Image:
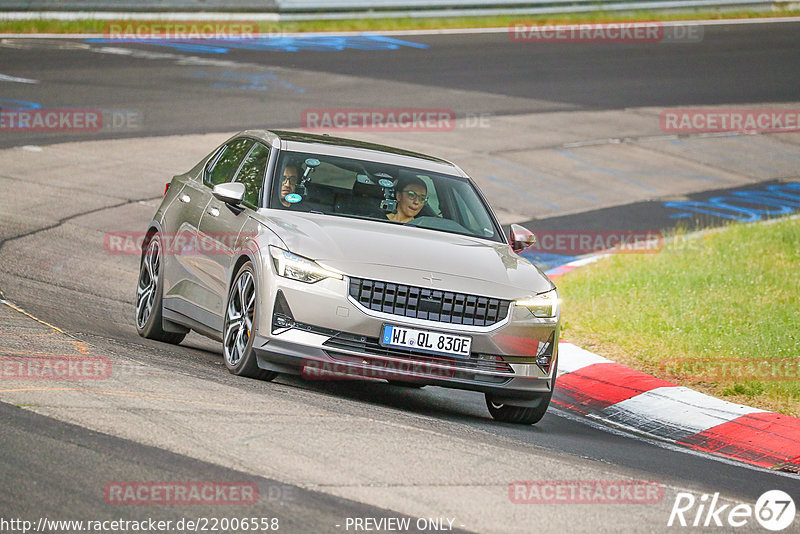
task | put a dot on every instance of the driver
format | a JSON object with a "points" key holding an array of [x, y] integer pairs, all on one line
{"points": [[289, 181], [411, 194]]}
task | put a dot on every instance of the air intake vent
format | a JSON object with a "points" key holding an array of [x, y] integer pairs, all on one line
{"points": [[429, 304]]}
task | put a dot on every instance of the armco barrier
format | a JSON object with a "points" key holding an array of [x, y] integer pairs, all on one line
{"points": [[337, 8]]}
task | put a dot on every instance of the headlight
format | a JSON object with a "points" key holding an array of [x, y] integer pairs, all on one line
{"points": [[543, 305], [299, 268]]}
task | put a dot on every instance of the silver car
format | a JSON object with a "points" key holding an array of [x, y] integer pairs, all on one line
{"points": [[339, 259]]}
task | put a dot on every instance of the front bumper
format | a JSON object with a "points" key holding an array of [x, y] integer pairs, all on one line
{"points": [[324, 334]]}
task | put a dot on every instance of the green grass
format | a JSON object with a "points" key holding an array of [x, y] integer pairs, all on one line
{"points": [[404, 23], [719, 313]]}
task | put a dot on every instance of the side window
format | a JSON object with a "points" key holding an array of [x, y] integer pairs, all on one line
{"points": [[228, 162], [252, 173]]}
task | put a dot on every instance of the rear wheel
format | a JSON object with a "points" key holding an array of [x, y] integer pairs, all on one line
{"points": [[521, 415], [237, 332], [148, 295]]}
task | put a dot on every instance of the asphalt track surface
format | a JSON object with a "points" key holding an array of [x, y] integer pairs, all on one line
{"points": [[737, 64], [60, 474], [55, 468]]}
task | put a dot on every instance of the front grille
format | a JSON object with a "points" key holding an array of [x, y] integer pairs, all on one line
{"points": [[428, 304], [370, 346]]}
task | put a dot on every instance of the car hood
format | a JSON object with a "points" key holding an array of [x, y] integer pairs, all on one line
{"points": [[408, 255]]}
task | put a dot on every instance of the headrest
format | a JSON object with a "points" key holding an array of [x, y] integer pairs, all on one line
{"points": [[367, 190]]}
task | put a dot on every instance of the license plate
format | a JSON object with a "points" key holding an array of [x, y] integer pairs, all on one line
{"points": [[425, 340]]}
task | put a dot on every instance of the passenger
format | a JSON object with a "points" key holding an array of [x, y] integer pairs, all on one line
{"points": [[411, 194], [289, 181]]}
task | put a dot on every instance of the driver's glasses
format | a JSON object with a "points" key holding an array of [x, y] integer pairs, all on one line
{"points": [[415, 197], [292, 180]]}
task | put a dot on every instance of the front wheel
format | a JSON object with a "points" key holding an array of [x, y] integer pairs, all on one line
{"points": [[237, 332], [521, 415], [148, 295]]}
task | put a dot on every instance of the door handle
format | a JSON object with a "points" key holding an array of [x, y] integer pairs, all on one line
{"points": [[213, 212], [185, 198]]}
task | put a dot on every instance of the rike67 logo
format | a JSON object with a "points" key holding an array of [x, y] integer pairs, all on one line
{"points": [[774, 510]]}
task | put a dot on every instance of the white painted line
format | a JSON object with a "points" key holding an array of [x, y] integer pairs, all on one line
{"points": [[587, 260], [7, 78], [571, 358], [675, 412]]}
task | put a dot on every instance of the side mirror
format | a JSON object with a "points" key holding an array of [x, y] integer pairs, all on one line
{"points": [[521, 238], [230, 192]]}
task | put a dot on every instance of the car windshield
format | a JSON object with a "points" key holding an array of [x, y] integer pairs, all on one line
{"points": [[382, 192]]}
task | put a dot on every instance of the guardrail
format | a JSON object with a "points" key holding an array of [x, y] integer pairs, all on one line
{"points": [[300, 9], [506, 5]]}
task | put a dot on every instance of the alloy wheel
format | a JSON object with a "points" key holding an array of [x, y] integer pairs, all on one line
{"points": [[239, 318], [148, 282]]}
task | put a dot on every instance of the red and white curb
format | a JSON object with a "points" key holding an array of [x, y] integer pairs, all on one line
{"points": [[592, 385]]}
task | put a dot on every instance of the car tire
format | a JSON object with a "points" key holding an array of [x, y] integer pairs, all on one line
{"points": [[149, 290], [520, 415], [237, 330]]}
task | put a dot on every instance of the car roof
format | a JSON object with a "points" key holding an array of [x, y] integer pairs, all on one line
{"points": [[340, 146]]}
